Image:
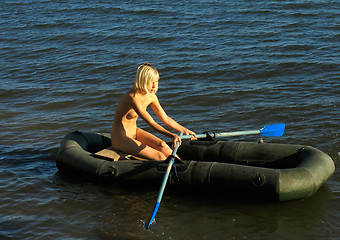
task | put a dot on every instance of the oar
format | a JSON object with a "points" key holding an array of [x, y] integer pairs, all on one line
{"points": [[165, 179], [275, 130]]}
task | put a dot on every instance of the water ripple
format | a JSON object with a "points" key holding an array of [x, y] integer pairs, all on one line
{"points": [[224, 67]]}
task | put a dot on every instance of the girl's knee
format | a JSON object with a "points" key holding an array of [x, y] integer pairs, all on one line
{"points": [[159, 156], [165, 149], [163, 144]]}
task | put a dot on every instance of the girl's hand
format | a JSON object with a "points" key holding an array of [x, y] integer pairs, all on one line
{"points": [[176, 139], [189, 132]]}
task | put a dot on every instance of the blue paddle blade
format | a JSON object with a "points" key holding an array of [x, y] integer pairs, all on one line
{"points": [[155, 209], [275, 130]]}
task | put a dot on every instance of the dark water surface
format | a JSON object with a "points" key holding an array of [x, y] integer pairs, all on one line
{"points": [[224, 65]]}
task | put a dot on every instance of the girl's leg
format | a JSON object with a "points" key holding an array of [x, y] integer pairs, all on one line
{"points": [[137, 148], [153, 141]]}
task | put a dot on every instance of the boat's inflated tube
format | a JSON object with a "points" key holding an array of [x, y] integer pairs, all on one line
{"points": [[282, 171]]}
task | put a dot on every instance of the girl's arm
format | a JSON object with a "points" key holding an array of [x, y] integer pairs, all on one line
{"points": [[157, 108], [141, 111]]}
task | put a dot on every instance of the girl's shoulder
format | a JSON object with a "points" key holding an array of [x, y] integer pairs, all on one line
{"points": [[126, 98], [129, 95]]}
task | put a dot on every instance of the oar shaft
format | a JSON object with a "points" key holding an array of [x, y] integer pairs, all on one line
{"points": [[166, 176], [275, 130], [226, 134], [239, 133], [186, 137], [165, 180]]}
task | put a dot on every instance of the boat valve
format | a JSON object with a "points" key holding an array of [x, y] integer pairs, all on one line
{"points": [[258, 179]]}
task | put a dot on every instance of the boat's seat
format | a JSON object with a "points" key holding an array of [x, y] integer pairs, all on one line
{"points": [[112, 154]]}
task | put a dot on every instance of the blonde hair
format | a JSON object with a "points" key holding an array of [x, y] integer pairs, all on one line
{"points": [[146, 73]]}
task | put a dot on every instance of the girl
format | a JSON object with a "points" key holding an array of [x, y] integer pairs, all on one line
{"points": [[125, 134]]}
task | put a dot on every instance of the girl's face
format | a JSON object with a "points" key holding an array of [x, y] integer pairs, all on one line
{"points": [[153, 86]]}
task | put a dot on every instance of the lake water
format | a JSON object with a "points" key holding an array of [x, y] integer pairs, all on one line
{"points": [[224, 66]]}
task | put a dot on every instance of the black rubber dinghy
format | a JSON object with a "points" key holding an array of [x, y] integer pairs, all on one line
{"points": [[280, 171]]}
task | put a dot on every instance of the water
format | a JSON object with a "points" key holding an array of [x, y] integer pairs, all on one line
{"points": [[224, 66]]}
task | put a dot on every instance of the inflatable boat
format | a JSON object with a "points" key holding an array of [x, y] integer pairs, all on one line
{"points": [[279, 171]]}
